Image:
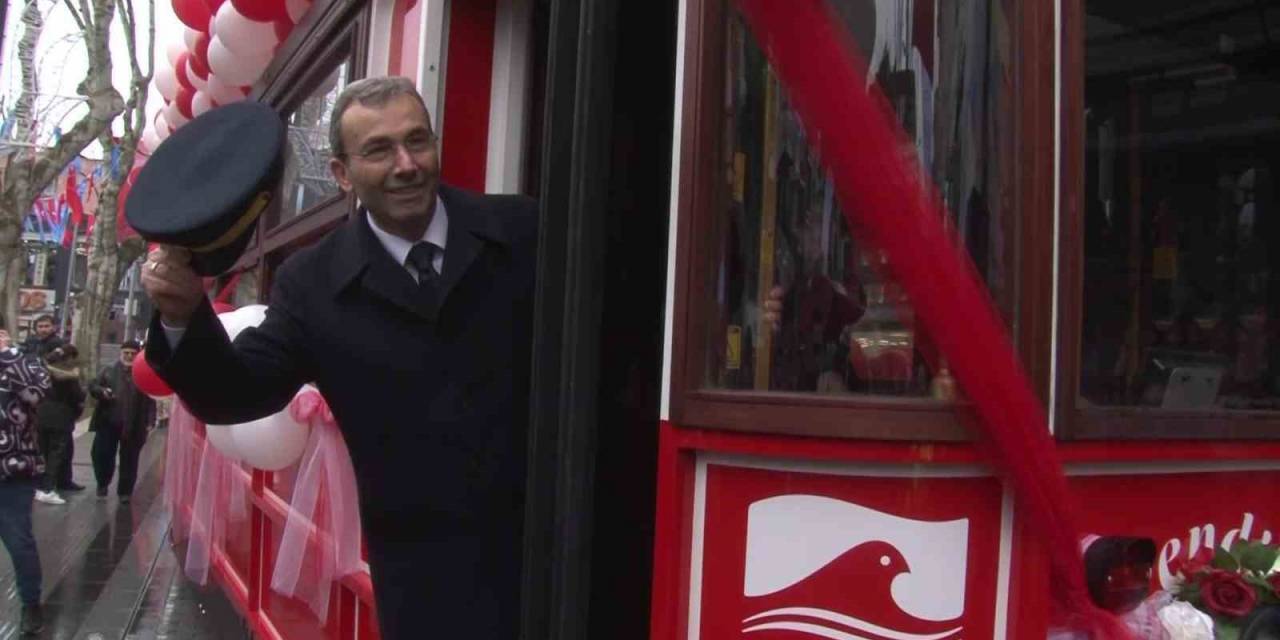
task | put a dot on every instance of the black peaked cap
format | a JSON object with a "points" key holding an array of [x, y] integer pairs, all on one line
{"points": [[206, 185]]}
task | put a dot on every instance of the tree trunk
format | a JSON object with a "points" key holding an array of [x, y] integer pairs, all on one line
{"points": [[29, 173], [16, 188], [107, 264], [109, 258], [24, 108]]}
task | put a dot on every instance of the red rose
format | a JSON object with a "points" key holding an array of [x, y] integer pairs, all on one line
{"points": [[1227, 593], [1196, 564]]}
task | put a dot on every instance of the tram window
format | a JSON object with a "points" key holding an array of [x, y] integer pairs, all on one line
{"points": [[307, 181], [1181, 296], [846, 329]]}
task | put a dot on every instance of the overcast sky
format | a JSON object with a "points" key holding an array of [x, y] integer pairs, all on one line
{"points": [[62, 62]]}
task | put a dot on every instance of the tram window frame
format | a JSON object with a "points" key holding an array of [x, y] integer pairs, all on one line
{"points": [[862, 416], [331, 33], [1078, 421]]}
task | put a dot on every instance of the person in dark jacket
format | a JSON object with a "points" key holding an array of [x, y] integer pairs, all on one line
{"points": [[56, 419], [414, 319], [23, 384], [43, 339], [120, 423]]}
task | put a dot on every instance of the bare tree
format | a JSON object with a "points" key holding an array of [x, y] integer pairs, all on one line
{"points": [[28, 171], [108, 256]]}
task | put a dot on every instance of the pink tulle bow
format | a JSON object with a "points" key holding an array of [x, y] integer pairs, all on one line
{"points": [[309, 405], [321, 538]]}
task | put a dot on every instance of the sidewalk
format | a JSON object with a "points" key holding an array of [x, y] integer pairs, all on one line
{"points": [[110, 572]]}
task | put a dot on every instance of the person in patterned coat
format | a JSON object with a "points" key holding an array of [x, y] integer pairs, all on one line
{"points": [[24, 381]]}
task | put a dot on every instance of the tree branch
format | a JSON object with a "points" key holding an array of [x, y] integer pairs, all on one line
{"points": [[75, 15]]}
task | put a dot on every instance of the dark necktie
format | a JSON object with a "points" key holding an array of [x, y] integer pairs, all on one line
{"points": [[421, 257]]}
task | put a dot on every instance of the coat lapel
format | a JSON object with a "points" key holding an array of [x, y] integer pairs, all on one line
{"points": [[472, 226], [362, 260], [462, 250], [361, 257]]}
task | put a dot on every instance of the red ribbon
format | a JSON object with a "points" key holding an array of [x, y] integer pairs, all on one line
{"points": [[883, 197]]}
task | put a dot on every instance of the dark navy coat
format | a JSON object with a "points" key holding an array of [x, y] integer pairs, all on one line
{"points": [[432, 402]]}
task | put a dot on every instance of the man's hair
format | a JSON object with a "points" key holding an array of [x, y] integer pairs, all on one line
{"points": [[131, 344], [369, 92], [43, 318]]}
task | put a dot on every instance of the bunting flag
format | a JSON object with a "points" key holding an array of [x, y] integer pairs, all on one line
{"points": [[72, 193], [882, 195]]}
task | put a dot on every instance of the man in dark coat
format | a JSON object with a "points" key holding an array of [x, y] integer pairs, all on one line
{"points": [[56, 419], [43, 339], [414, 320], [120, 423]]}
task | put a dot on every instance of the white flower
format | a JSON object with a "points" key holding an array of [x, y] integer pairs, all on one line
{"points": [[1185, 622]]}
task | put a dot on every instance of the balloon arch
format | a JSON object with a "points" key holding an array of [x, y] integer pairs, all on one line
{"points": [[225, 48]]}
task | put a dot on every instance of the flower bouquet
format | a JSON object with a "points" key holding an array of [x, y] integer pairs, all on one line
{"points": [[1235, 588]]}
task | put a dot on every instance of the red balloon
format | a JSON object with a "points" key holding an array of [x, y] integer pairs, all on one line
{"points": [[283, 29], [180, 70], [193, 13], [184, 102], [146, 378], [201, 52], [198, 68], [262, 10], [213, 6]]}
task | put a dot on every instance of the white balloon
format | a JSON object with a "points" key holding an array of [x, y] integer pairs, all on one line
{"points": [[221, 92], [151, 140], [220, 437], [174, 116], [166, 81], [242, 35], [297, 9], [201, 84], [201, 103], [161, 126], [239, 70], [272, 443], [173, 51], [247, 316], [189, 37]]}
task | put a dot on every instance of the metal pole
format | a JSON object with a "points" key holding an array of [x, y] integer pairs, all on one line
{"points": [[132, 277], [71, 270]]}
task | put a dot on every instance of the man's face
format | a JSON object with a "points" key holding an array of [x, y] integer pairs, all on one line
{"points": [[44, 328], [391, 162], [127, 355]]}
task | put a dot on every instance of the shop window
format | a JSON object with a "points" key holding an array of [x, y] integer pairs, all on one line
{"points": [[1181, 232], [247, 288], [307, 181], [775, 223]]}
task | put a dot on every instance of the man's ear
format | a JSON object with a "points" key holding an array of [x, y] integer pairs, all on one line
{"points": [[339, 170]]}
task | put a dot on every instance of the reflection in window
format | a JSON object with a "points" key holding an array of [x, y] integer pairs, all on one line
{"points": [[845, 328], [307, 181], [1182, 292], [246, 288]]}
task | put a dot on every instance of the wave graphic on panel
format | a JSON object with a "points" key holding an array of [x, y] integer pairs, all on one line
{"points": [[826, 568]]}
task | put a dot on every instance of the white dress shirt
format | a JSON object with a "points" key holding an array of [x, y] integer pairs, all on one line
{"points": [[437, 233]]}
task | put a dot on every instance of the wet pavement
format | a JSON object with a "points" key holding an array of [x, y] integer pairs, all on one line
{"points": [[110, 572]]}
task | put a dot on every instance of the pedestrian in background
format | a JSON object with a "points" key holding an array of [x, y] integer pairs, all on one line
{"points": [[23, 384], [43, 339], [56, 419], [120, 423]]}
